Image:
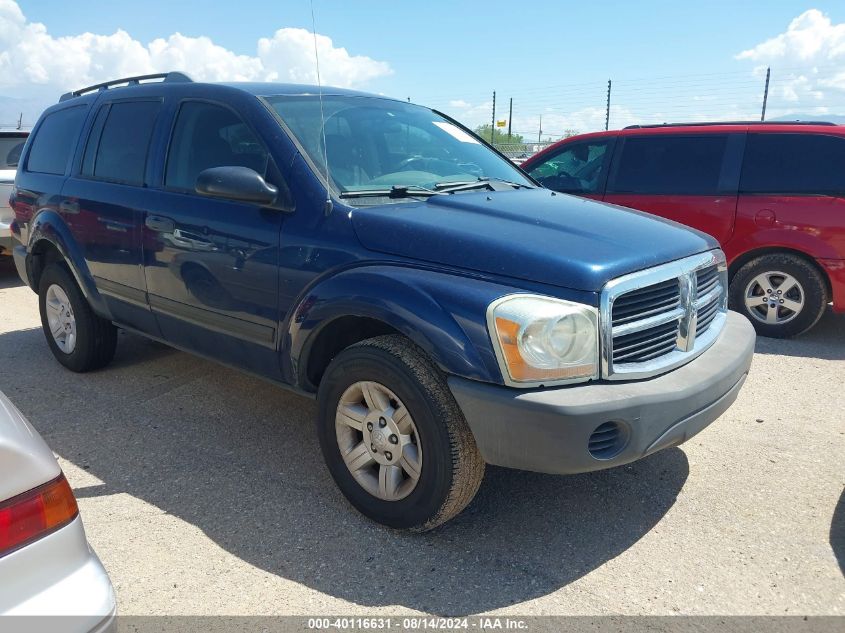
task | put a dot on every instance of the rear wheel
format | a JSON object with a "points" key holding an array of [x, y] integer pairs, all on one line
{"points": [[783, 295], [393, 437], [79, 339]]}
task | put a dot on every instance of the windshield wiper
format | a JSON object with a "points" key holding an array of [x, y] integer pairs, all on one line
{"points": [[396, 191], [481, 183]]}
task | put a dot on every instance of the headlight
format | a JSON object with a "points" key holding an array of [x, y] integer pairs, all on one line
{"points": [[541, 340]]}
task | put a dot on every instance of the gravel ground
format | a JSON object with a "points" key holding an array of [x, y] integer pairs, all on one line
{"points": [[204, 492]]}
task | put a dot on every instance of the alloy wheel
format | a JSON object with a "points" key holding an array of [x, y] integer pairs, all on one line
{"points": [[774, 297], [60, 319], [378, 440]]}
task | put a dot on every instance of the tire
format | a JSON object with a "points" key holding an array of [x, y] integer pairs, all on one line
{"points": [[755, 279], [451, 467], [95, 338]]}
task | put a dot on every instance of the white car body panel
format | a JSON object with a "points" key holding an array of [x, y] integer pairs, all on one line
{"points": [[59, 574], [25, 459]]}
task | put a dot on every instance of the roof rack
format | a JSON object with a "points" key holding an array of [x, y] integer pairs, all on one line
{"points": [[175, 77], [705, 123]]}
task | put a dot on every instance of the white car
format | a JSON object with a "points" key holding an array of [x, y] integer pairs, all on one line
{"points": [[11, 145], [47, 567]]}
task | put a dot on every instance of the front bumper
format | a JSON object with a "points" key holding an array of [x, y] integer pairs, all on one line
{"points": [[19, 255], [548, 430]]}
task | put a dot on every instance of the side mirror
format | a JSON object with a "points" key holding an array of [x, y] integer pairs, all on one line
{"points": [[236, 183]]}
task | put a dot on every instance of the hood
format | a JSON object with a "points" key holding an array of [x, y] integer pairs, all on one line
{"points": [[532, 234]]}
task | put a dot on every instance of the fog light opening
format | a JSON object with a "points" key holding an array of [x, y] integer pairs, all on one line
{"points": [[608, 440]]}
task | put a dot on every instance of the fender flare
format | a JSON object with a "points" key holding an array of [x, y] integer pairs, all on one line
{"points": [[48, 225], [777, 239], [444, 314]]}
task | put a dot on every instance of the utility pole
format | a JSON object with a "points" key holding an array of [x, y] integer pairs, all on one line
{"points": [[766, 93], [493, 122], [20, 121], [607, 113], [540, 132], [510, 120]]}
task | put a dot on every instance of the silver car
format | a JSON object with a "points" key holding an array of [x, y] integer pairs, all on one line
{"points": [[11, 145], [47, 567]]}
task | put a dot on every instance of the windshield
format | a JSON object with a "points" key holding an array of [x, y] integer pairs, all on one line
{"points": [[379, 145], [10, 150]]}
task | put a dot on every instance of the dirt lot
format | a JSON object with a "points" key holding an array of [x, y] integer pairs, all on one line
{"points": [[204, 492]]}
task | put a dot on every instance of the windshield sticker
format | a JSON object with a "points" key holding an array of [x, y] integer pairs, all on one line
{"points": [[455, 131]]}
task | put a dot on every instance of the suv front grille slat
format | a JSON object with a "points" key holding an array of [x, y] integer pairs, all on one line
{"points": [[668, 304], [661, 345], [647, 301], [656, 324], [706, 280], [639, 305], [626, 342]]}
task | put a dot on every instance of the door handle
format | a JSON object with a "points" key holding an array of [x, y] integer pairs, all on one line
{"points": [[192, 240], [160, 223]]}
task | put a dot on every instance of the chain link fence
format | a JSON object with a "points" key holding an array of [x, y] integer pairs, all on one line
{"points": [[519, 152]]}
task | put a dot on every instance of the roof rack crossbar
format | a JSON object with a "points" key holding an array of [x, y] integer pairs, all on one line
{"points": [[706, 123], [129, 81]]}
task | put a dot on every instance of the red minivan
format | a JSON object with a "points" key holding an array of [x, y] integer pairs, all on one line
{"points": [[773, 194]]}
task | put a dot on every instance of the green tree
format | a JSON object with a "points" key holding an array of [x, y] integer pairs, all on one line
{"points": [[499, 136]]}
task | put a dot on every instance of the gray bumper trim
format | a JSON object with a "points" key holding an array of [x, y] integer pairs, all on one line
{"points": [[19, 255], [547, 430]]}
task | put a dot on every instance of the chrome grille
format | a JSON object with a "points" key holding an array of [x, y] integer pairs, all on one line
{"points": [[645, 344], [639, 304], [708, 297], [706, 279], [663, 317]]}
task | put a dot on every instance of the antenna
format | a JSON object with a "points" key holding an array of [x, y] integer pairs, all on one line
{"points": [[328, 209]]}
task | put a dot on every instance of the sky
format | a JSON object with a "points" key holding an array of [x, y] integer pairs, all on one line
{"points": [[667, 60]]}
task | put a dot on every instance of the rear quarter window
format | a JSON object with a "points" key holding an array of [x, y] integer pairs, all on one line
{"points": [[793, 163], [55, 139]]}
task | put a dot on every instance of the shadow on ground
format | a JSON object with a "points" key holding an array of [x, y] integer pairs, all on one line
{"points": [[8, 273], [238, 458], [837, 533], [826, 340]]}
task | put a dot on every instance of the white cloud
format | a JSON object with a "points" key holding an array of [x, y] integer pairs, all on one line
{"points": [[459, 103], [30, 56], [805, 61], [289, 56], [811, 37]]}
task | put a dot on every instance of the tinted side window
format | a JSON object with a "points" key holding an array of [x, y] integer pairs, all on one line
{"points": [[208, 135], [577, 168], [663, 164], [119, 140], [55, 141], [793, 163]]}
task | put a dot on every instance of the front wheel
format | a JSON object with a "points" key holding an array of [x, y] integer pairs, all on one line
{"points": [[393, 437], [783, 295]]}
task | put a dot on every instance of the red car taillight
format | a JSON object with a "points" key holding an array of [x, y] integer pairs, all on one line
{"points": [[34, 514]]}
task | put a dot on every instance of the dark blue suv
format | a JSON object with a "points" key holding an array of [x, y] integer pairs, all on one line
{"points": [[444, 310]]}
